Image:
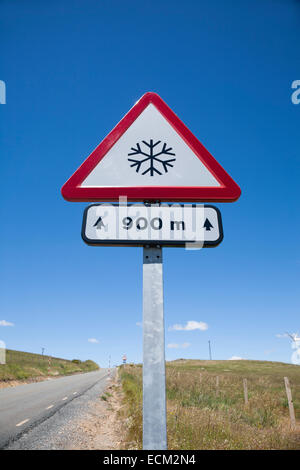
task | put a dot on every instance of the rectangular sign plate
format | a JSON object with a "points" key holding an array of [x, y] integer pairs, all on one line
{"points": [[139, 225]]}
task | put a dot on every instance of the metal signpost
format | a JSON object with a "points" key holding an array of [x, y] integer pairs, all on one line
{"points": [[152, 158], [154, 375]]}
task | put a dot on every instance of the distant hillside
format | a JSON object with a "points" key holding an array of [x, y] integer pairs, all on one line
{"points": [[22, 365], [240, 367]]}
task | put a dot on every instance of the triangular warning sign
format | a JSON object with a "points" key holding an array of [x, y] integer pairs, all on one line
{"points": [[150, 155]]}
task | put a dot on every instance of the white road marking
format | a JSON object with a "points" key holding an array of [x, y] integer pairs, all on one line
{"points": [[48, 407], [22, 422], [74, 393], [65, 398]]}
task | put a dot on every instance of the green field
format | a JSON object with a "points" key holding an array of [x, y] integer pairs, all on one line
{"points": [[22, 365], [201, 415]]}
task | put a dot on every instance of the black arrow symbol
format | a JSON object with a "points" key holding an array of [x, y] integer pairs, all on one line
{"points": [[207, 225], [99, 223]]}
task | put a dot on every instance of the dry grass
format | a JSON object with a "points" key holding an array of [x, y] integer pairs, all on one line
{"points": [[200, 417]]}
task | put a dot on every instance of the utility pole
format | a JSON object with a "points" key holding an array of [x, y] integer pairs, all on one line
{"points": [[209, 348]]}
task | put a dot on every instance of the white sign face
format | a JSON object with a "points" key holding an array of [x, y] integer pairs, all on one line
{"points": [[139, 225], [150, 153]]}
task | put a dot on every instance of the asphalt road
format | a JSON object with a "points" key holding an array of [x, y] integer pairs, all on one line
{"points": [[24, 406]]}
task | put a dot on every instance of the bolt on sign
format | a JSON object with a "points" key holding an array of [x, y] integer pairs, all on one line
{"points": [[154, 167]]}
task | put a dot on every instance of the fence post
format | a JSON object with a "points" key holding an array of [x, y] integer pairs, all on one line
{"points": [[49, 364], [245, 391], [290, 401]]}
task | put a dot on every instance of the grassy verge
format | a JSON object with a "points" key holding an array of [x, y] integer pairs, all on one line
{"points": [[22, 365], [202, 416]]}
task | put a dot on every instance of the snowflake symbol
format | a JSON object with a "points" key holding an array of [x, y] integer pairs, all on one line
{"points": [[152, 161]]}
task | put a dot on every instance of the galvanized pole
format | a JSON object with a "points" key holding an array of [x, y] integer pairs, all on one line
{"points": [[154, 375]]}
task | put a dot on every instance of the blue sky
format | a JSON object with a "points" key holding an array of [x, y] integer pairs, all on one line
{"points": [[72, 70]]}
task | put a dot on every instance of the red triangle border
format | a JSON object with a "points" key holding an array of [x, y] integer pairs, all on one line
{"points": [[228, 191]]}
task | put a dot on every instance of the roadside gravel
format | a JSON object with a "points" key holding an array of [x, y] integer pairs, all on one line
{"points": [[87, 422]]}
